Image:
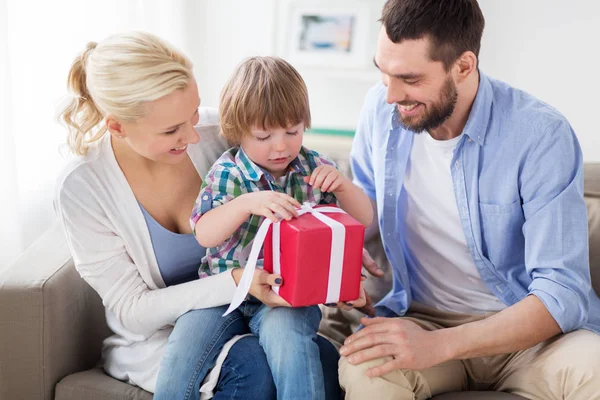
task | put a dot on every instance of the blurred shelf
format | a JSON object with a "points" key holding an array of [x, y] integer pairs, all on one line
{"points": [[363, 76], [335, 143], [331, 132]]}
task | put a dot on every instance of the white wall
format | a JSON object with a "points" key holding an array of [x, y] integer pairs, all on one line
{"points": [[36, 52], [546, 47], [230, 30], [549, 48], [227, 31]]}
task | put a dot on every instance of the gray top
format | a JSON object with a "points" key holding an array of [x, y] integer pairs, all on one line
{"points": [[178, 255]]}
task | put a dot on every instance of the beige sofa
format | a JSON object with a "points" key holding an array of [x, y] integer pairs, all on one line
{"points": [[52, 323]]}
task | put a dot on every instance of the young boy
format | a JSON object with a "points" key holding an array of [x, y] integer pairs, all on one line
{"points": [[264, 111]]}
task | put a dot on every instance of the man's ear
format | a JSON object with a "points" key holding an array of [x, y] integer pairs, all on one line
{"points": [[114, 127], [465, 65]]}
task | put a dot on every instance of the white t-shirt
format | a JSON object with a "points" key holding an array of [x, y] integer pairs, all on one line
{"points": [[444, 274]]}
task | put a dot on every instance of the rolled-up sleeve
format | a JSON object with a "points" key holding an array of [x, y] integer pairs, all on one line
{"points": [[220, 186], [555, 228]]}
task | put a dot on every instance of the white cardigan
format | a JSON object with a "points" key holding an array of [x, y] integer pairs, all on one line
{"points": [[111, 248]]}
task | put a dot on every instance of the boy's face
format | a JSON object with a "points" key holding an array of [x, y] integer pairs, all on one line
{"points": [[274, 148]]}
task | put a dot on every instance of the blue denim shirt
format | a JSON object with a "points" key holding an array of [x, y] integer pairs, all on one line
{"points": [[517, 174]]}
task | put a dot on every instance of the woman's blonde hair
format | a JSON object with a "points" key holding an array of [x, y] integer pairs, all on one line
{"points": [[266, 92], [119, 76]]}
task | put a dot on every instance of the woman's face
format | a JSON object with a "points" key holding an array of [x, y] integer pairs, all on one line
{"points": [[166, 130]]}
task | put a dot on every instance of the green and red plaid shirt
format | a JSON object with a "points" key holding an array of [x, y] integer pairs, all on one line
{"points": [[234, 174]]}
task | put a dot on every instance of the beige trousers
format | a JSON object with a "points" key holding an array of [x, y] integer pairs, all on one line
{"points": [[564, 367]]}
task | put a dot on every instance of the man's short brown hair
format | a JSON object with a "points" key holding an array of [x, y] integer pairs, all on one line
{"points": [[264, 92], [453, 26]]}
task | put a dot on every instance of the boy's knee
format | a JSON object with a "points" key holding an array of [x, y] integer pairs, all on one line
{"points": [[304, 320]]}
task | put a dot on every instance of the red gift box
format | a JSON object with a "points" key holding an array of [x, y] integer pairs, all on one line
{"points": [[305, 257]]}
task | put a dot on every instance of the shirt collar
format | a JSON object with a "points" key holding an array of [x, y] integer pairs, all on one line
{"points": [[253, 172], [476, 126]]}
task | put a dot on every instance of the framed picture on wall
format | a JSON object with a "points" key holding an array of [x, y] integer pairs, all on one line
{"points": [[328, 33]]}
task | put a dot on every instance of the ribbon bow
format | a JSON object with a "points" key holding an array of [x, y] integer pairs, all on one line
{"points": [[335, 263]]}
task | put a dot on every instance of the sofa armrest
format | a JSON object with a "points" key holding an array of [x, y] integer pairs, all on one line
{"points": [[51, 322]]}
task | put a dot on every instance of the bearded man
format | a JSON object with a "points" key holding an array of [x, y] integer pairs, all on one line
{"points": [[478, 188]]}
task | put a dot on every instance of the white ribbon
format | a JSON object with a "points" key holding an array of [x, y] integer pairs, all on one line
{"points": [[336, 260]]}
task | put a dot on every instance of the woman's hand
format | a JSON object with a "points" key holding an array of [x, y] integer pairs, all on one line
{"points": [[268, 203], [261, 287], [368, 308], [363, 303]]}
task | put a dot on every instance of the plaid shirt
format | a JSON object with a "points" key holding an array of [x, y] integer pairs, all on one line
{"points": [[234, 174]]}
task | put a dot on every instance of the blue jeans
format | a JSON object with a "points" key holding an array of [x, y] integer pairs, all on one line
{"points": [[194, 345], [288, 337]]}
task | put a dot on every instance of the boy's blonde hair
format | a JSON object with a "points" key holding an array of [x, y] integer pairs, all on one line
{"points": [[264, 92], [119, 76]]}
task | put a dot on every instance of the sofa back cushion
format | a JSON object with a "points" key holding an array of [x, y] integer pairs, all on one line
{"points": [[592, 200]]}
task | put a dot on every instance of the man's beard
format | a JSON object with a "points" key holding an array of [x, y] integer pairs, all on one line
{"points": [[437, 114]]}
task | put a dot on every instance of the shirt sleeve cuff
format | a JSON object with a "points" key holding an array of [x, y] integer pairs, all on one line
{"points": [[568, 308]]}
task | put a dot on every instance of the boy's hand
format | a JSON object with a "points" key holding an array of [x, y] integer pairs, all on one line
{"points": [[271, 204], [328, 179]]}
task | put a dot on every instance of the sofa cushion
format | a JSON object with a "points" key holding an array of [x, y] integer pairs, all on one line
{"points": [[477, 396], [94, 384], [592, 200], [51, 322], [593, 209], [591, 176]]}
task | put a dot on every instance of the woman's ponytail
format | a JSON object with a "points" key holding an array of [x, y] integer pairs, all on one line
{"points": [[81, 116]]}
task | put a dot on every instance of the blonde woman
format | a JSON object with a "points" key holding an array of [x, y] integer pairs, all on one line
{"points": [[142, 146]]}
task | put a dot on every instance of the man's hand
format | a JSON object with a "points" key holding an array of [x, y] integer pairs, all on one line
{"points": [[370, 264], [409, 345]]}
